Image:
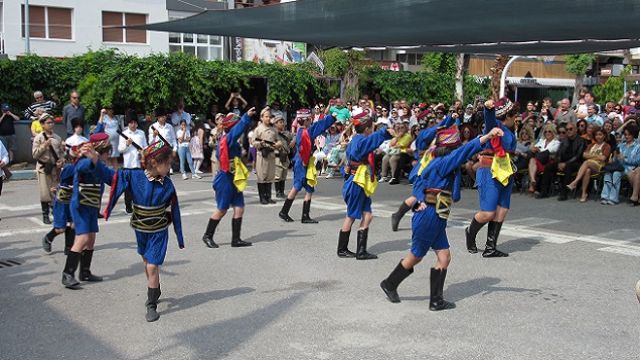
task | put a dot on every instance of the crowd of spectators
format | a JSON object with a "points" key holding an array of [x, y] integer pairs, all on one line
{"points": [[563, 149]]}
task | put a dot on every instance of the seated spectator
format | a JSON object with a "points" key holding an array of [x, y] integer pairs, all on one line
{"points": [[337, 155], [610, 134], [40, 103], [543, 154], [593, 117], [523, 147], [595, 158], [568, 161], [396, 157], [582, 129], [625, 162]]}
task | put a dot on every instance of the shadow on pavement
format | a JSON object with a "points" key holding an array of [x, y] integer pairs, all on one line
{"points": [[403, 244], [519, 245], [466, 289], [137, 268], [275, 235], [330, 217], [193, 300]]}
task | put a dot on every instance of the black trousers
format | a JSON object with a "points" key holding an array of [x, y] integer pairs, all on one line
{"points": [[550, 170]]}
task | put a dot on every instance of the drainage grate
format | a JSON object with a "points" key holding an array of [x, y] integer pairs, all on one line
{"points": [[5, 263]]}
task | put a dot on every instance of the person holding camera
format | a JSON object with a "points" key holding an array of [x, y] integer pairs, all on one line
{"points": [[48, 151], [7, 130], [236, 103], [266, 142]]}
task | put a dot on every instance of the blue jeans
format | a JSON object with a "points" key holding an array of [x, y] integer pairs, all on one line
{"points": [[185, 154], [611, 187]]}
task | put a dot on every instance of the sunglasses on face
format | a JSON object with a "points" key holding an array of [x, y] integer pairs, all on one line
{"points": [[562, 132]]}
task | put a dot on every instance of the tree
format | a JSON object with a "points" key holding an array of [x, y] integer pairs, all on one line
{"points": [[347, 65], [578, 65], [496, 73]]}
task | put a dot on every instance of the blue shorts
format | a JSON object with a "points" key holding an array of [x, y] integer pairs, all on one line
{"points": [[428, 232], [153, 246], [300, 181], [61, 215], [492, 192], [227, 195], [357, 202], [85, 219]]}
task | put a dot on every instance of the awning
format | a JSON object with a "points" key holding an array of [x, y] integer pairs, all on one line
{"points": [[524, 82], [521, 27]]}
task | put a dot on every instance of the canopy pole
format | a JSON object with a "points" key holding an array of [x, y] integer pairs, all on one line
{"points": [[503, 77]]}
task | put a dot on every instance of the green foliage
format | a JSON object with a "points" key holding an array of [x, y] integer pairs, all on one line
{"points": [[612, 89], [439, 63], [336, 62], [578, 64], [475, 86], [111, 78]]}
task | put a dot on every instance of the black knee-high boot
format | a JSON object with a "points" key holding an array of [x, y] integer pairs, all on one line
{"points": [[268, 192], [69, 272], [262, 193], [397, 216], [470, 233], [208, 234], [343, 245], [390, 284], [69, 238], [236, 227], [361, 252], [45, 212], [306, 209], [493, 232], [48, 239], [284, 212], [153, 294], [437, 301], [85, 267], [280, 189]]}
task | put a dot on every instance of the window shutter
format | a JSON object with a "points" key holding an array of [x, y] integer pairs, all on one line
{"points": [[135, 36], [36, 22], [59, 23], [111, 19]]}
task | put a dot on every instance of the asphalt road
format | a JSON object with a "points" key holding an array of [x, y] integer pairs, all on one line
{"points": [[566, 291]]}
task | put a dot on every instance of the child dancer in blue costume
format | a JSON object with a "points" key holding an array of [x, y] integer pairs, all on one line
{"points": [[495, 195], [231, 180], [432, 209], [303, 162], [152, 193], [88, 186], [62, 221], [423, 141], [360, 184]]}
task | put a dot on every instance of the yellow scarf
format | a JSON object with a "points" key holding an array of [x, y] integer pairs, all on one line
{"points": [[363, 179], [312, 172], [241, 174], [501, 169]]}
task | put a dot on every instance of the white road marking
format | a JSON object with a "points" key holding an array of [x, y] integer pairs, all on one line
{"points": [[622, 250], [534, 221]]}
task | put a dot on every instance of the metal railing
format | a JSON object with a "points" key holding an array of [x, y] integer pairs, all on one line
{"points": [[1, 43]]}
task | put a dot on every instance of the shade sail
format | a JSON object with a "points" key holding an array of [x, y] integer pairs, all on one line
{"points": [[478, 26]]}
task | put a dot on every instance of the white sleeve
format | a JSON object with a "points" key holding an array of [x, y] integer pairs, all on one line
{"points": [[4, 155], [122, 144], [554, 146]]}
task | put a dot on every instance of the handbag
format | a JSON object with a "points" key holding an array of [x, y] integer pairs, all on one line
{"points": [[543, 157], [614, 166]]}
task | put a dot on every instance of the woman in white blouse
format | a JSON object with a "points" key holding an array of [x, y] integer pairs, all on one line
{"points": [[542, 153], [111, 127]]}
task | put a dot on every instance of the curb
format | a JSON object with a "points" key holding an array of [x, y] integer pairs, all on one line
{"points": [[23, 175]]}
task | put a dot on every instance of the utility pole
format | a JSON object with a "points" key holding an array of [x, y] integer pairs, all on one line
{"points": [[27, 23]]}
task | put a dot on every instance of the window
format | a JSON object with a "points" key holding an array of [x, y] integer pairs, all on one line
{"points": [[410, 58], [206, 47], [112, 32], [46, 22]]}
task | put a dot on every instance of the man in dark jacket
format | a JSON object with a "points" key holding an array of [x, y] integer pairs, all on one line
{"points": [[568, 161]]}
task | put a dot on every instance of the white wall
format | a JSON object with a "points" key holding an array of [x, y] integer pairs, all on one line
{"points": [[87, 27]]}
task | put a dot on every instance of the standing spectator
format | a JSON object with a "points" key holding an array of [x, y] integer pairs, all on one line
{"points": [[214, 137], [565, 114], [282, 155], [276, 110], [384, 118], [196, 148], [40, 103], [160, 127], [8, 131], [266, 142], [73, 110], [48, 151], [130, 154], [625, 162], [589, 99], [184, 138], [568, 162], [4, 161], [179, 115], [546, 103], [111, 127], [342, 112], [36, 126], [595, 157], [531, 110], [236, 103]]}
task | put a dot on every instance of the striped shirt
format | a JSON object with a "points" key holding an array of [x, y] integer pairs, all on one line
{"points": [[47, 105]]}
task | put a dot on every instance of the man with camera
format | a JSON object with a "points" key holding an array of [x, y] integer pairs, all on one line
{"points": [[7, 130]]}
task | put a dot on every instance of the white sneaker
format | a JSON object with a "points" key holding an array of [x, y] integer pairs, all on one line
{"points": [[199, 172], [196, 176], [185, 177], [171, 171]]}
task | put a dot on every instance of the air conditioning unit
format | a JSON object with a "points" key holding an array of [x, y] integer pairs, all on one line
{"points": [[617, 69]]}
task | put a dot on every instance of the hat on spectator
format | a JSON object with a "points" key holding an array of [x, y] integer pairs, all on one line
{"points": [[230, 120], [277, 118], [469, 107], [423, 105], [155, 149], [44, 117], [448, 137], [263, 111], [100, 142], [423, 114], [503, 106], [303, 113]]}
